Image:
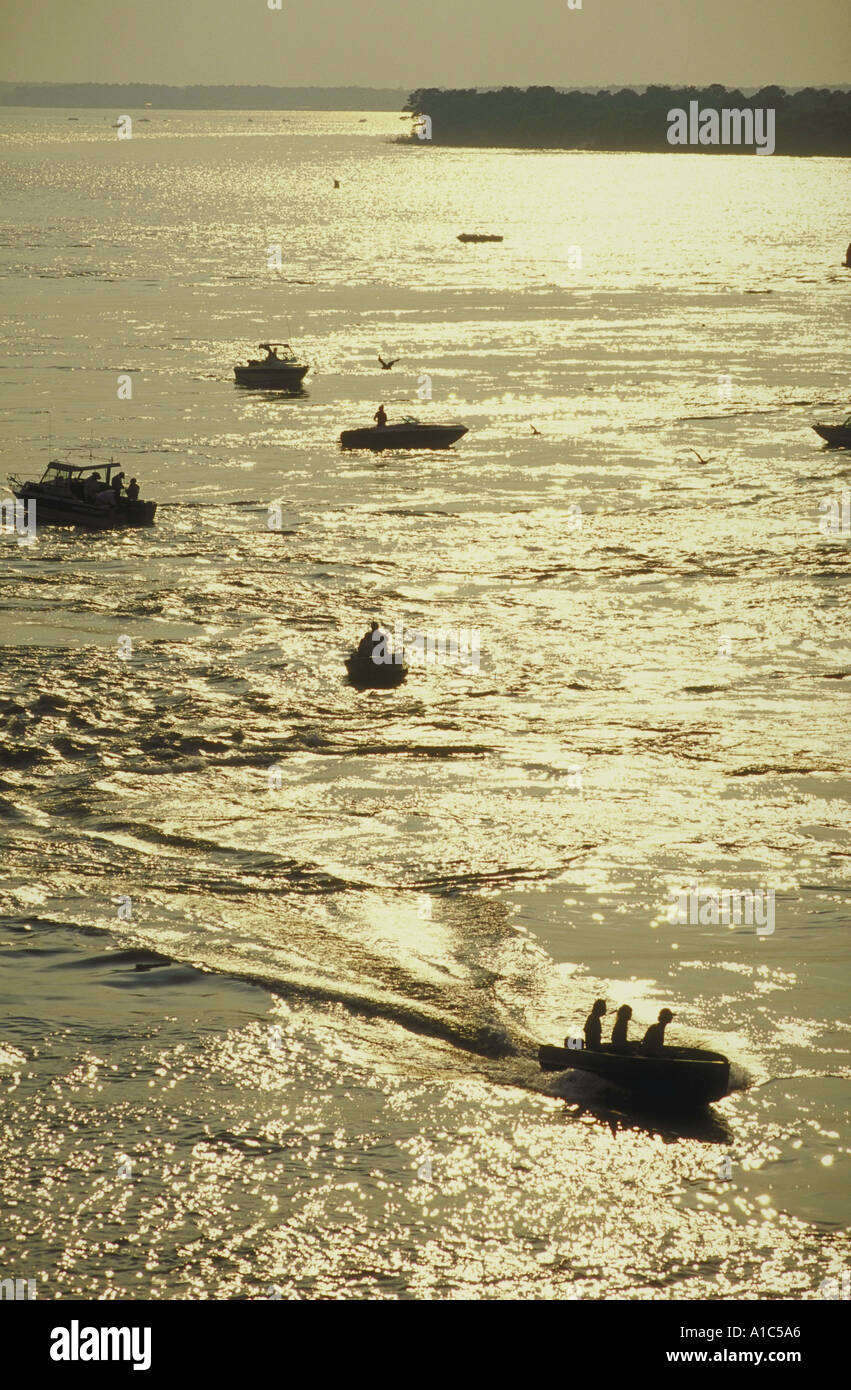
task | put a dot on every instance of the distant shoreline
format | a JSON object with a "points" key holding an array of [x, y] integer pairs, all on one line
{"points": [[810, 121], [118, 95]]}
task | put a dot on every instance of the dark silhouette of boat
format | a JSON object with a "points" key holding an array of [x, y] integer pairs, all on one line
{"points": [[410, 434], [273, 373], [366, 674], [477, 236], [675, 1077], [60, 499], [837, 436]]}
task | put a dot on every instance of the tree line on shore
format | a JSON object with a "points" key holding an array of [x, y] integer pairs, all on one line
{"points": [[812, 121]]}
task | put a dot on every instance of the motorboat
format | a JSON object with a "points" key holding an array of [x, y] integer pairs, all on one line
{"points": [[837, 436], [409, 434], [274, 372], [676, 1076], [62, 499], [477, 236], [368, 674]]}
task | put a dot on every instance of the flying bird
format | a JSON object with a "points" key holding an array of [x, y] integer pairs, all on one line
{"points": [[699, 458], [388, 365], [532, 428]]}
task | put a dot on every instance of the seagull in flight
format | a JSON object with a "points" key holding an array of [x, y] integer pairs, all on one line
{"points": [[532, 428], [388, 365], [698, 457]]}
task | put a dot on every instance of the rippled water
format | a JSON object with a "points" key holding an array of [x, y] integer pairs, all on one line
{"points": [[277, 956]]}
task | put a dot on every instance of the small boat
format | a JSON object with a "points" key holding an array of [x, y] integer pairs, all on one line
{"points": [[477, 236], [410, 434], [60, 499], [677, 1076], [366, 674], [837, 436], [273, 372]]}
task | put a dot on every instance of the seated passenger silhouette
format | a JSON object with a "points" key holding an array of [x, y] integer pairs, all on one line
{"points": [[593, 1027], [624, 1014], [654, 1038], [366, 645]]}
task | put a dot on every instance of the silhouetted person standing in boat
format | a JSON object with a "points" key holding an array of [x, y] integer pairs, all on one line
{"points": [[132, 491], [380, 417], [117, 483], [654, 1038], [624, 1014], [593, 1026]]}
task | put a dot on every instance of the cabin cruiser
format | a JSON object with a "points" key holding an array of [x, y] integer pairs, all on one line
{"points": [[274, 372], [837, 436], [410, 434], [70, 495]]}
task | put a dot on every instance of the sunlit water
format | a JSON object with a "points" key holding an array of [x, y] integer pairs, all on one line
{"points": [[277, 955]]}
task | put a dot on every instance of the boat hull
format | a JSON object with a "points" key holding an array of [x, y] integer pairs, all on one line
{"points": [[271, 378], [366, 674], [50, 511], [837, 436], [403, 437], [680, 1076]]}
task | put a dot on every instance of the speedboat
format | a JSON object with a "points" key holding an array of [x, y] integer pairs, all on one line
{"points": [[676, 1076], [409, 434], [837, 436], [477, 236], [273, 372], [367, 674], [60, 499]]}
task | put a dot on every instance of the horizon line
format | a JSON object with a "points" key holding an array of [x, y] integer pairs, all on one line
{"points": [[370, 87]]}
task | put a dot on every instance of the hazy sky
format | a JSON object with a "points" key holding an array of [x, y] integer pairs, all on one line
{"points": [[390, 43]]}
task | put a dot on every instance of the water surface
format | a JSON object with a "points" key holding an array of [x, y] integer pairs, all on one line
{"points": [[280, 1033]]}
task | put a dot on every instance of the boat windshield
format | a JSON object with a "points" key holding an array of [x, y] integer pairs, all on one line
{"points": [[285, 354]]}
